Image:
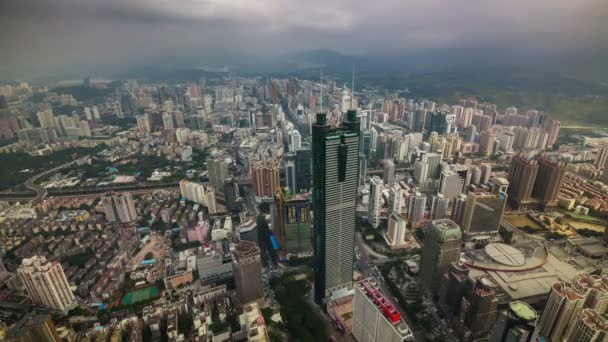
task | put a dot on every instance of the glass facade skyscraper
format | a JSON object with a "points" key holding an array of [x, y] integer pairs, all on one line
{"points": [[335, 153]]}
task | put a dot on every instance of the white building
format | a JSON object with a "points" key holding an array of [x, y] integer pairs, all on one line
{"points": [[375, 201], [46, 284], [199, 193], [375, 317]]}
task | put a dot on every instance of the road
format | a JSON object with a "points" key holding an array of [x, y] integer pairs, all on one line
{"points": [[40, 191]]}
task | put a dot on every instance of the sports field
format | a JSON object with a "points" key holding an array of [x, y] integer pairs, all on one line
{"points": [[140, 295]]}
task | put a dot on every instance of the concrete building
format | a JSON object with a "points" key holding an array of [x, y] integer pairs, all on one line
{"points": [[46, 284], [218, 172], [563, 306], [397, 233], [439, 207], [375, 318], [375, 201], [483, 213], [247, 271], [451, 184], [516, 323], [291, 222], [389, 171], [265, 178], [441, 248], [416, 207], [119, 207], [199, 193], [590, 326], [335, 153]]}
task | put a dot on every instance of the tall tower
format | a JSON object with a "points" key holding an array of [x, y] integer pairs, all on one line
{"points": [[335, 178], [483, 213], [441, 248], [375, 201], [46, 283], [521, 179], [218, 172], [247, 268], [563, 306], [549, 180]]}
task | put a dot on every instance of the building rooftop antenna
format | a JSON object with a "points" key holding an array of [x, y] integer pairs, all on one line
{"points": [[352, 89], [321, 81]]}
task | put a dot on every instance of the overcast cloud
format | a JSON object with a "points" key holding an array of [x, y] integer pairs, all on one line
{"points": [[45, 33]]}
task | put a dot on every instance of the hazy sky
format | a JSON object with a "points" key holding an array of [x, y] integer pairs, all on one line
{"points": [[43, 33]]}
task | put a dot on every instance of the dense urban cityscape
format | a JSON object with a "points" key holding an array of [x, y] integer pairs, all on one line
{"points": [[234, 208]]}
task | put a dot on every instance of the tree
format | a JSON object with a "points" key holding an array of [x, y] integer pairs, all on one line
{"points": [[506, 235], [149, 256]]}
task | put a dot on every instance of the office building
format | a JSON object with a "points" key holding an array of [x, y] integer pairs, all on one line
{"points": [[483, 213], [217, 169], [335, 154], [119, 207], [290, 175], [247, 270], [265, 178], [199, 193], [451, 184], [291, 222], [516, 323], [304, 168], [441, 248], [46, 284], [215, 268], [375, 318], [375, 201]]}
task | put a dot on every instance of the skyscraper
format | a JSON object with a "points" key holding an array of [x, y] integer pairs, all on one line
{"points": [[143, 123], [441, 248], [486, 142], [46, 283], [549, 181], [375, 201], [439, 207], [290, 175], [483, 213], [291, 222], [590, 326], [218, 172], [389, 171], [396, 198], [521, 179], [416, 207], [119, 207], [247, 268], [396, 234], [335, 178], [563, 306], [516, 323]]}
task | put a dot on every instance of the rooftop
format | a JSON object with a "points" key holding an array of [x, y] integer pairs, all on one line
{"points": [[523, 310]]}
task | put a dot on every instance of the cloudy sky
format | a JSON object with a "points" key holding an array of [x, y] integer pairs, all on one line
{"points": [[45, 34]]}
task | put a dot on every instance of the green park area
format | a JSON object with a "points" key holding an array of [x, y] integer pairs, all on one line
{"points": [[140, 295]]}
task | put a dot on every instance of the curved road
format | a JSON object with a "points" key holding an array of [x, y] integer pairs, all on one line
{"points": [[40, 191]]}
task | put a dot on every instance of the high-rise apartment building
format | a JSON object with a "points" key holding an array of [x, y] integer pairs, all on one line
{"points": [[416, 207], [397, 233], [118, 110], [247, 269], [396, 197], [375, 318], [483, 213], [535, 182], [375, 201], [335, 154], [439, 207], [119, 207], [265, 178], [217, 169], [601, 161], [590, 326], [143, 124], [441, 248], [199, 193], [46, 284], [291, 222], [563, 306], [294, 140], [389, 171]]}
